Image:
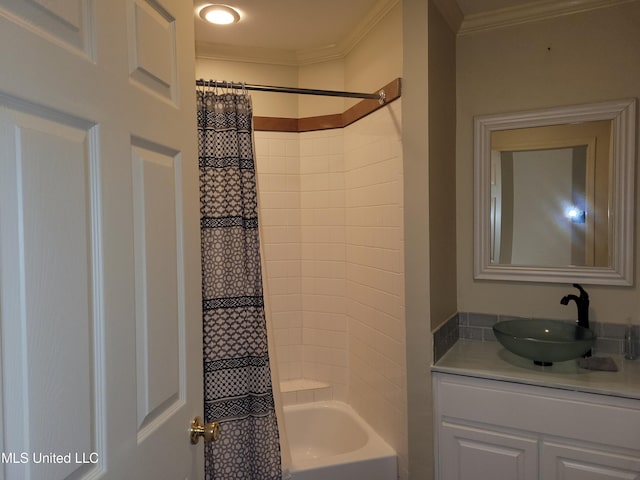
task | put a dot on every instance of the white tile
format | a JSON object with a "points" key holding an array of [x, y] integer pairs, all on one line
{"points": [[283, 370], [304, 396], [321, 146], [341, 393], [277, 147], [295, 370], [322, 394], [309, 369], [281, 337], [289, 398], [292, 148]]}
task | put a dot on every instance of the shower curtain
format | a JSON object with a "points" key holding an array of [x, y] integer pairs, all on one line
{"points": [[237, 379]]}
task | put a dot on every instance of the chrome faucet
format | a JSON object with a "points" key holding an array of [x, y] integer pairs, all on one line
{"points": [[582, 302]]}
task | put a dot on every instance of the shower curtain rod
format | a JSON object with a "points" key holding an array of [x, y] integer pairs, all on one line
{"points": [[381, 96]]}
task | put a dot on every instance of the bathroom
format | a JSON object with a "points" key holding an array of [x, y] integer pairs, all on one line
{"points": [[381, 311], [539, 69]]}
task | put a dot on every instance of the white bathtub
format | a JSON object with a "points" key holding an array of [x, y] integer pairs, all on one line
{"points": [[329, 440]]}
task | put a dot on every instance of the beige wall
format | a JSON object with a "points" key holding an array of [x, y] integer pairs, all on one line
{"points": [[569, 60], [377, 59], [264, 103], [415, 144], [323, 76], [442, 168]]}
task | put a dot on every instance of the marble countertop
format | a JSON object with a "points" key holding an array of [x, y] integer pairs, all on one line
{"points": [[492, 361]]}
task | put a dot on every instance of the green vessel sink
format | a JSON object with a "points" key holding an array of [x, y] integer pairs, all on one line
{"points": [[544, 341]]}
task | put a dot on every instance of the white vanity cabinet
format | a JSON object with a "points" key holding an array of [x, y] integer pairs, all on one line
{"points": [[498, 430]]}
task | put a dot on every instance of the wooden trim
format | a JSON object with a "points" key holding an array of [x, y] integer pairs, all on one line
{"points": [[275, 124], [321, 122], [328, 122]]}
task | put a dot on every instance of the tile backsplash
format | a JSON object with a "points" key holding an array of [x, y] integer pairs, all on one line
{"points": [[478, 326]]}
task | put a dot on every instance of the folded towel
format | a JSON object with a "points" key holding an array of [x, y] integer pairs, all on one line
{"points": [[598, 363]]}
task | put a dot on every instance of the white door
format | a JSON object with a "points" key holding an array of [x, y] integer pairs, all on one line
{"points": [[99, 240]]}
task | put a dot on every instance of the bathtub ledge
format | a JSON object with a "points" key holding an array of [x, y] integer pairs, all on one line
{"points": [[303, 390], [299, 384]]}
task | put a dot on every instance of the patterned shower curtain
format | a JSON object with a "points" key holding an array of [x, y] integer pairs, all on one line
{"points": [[237, 379]]}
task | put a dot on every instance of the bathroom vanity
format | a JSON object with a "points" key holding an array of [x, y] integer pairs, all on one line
{"points": [[498, 416]]}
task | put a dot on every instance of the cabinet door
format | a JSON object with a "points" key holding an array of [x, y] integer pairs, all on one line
{"points": [[474, 453], [568, 462]]}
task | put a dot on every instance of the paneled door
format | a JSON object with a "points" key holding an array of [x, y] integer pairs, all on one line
{"points": [[101, 356], [562, 460], [476, 453]]}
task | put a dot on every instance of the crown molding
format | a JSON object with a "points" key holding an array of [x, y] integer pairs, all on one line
{"points": [[272, 56], [532, 12], [379, 11], [268, 56]]}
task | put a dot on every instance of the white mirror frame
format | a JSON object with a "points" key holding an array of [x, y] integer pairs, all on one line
{"points": [[622, 211]]}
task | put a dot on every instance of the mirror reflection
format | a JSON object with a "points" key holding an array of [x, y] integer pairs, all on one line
{"points": [[550, 189], [554, 194]]}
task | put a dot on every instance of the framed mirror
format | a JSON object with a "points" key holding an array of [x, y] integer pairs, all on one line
{"points": [[554, 194]]}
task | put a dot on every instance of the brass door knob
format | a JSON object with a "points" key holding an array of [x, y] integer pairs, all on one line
{"points": [[210, 431]]}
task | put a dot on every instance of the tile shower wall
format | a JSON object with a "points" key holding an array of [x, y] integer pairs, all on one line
{"points": [[277, 157], [375, 272], [332, 224], [301, 184], [322, 214]]}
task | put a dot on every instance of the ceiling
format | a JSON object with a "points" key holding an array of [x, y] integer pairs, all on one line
{"points": [[332, 27], [286, 24]]}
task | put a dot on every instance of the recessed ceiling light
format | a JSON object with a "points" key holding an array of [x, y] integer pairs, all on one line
{"points": [[219, 14]]}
